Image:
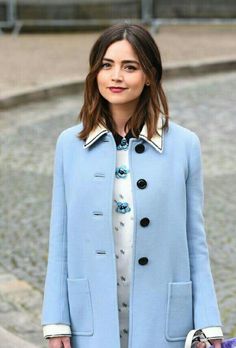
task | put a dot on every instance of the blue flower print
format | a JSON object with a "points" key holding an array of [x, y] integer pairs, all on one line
{"points": [[122, 207], [123, 145], [122, 171]]}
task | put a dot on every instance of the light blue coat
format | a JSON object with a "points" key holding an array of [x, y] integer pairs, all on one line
{"points": [[169, 295]]}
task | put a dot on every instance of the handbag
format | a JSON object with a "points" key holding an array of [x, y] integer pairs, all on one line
{"points": [[199, 335]]}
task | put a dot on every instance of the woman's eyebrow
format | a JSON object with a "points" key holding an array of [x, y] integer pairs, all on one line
{"points": [[123, 61]]}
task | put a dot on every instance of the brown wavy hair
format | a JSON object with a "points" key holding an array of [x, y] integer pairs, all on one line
{"points": [[152, 100]]}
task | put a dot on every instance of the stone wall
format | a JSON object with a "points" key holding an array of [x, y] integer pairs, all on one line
{"points": [[118, 9], [195, 9], [71, 9]]}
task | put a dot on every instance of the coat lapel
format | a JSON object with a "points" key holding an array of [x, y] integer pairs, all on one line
{"points": [[157, 141]]}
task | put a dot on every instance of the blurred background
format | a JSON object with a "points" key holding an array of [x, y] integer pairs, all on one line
{"points": [[44, 50]]}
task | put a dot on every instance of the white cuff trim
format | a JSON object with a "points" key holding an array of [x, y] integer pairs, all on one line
{"points": [[213, 332], [56, 330]]}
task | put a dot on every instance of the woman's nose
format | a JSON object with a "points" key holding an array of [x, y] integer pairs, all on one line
{"points": [[116, 75]]}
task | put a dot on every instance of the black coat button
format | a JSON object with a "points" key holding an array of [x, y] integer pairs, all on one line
{"points": [[139, 148], [144, 222], [141, 183], [143, 261]]}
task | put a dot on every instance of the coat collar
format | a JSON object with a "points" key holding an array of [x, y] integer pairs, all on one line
{"points": [[156, 141]]}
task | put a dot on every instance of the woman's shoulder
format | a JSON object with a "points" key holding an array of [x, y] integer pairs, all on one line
{"points": [[70, 133], [181, 133]]}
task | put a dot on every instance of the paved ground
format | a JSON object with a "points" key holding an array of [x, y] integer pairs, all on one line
{"points": [[27, 141], [39, 59]]}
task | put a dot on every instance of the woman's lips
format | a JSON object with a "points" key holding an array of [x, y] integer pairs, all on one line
{"points": [[116, 89]]}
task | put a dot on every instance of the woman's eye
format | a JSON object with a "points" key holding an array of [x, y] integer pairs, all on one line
{"points": [[104, 65], [131, 67]]}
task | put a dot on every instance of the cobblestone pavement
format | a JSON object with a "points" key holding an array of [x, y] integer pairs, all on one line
{"points": [[27, 140]]}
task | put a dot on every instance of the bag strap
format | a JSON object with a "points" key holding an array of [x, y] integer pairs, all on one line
{"points": [[190, 336]]}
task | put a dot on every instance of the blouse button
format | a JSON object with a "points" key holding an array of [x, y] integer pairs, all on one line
{"points": [[142, 184], [143, 261], [139, 148], [144, 222]]}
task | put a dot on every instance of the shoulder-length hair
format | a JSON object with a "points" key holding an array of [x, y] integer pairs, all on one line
{"points": [[152, 100]]}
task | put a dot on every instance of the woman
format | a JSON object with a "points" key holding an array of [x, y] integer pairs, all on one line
{"points": [[128, 259]]}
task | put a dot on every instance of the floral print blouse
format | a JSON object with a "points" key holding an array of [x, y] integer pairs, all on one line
{"points": [[123, 231]]}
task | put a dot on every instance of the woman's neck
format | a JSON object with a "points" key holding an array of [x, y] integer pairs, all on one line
{"points": [[120, 115]]}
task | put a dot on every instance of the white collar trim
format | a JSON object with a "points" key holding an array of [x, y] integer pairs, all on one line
{"points": [[156, 141]]}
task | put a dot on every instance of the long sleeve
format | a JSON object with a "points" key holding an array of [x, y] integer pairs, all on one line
{"points": [[206, 311], [55, 302]]}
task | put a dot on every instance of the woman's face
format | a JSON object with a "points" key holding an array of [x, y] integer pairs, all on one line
{"points": [[121, 69]]}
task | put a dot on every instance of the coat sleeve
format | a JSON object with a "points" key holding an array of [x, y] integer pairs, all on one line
{"points": [[55, 302], [205, 306]]}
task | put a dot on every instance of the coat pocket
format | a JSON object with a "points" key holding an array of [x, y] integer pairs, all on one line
{"points": [[179, 316], [80, 305]]}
